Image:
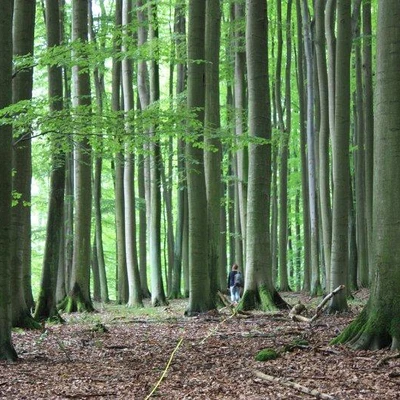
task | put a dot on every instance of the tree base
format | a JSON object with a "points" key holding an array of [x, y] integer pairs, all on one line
{"points": [[76, 302], [46, 310], [8, 353], [262, 299], [26, 321], [372, 331]]}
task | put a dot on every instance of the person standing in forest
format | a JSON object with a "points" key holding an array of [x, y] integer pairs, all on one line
{"points": [[235, 282]]}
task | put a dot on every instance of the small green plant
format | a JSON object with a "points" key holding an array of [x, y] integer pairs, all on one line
{"points": [[266, 355]]}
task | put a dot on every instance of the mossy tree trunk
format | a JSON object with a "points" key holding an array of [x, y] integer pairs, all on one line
{"points": [[378, 325], [259, 292]]}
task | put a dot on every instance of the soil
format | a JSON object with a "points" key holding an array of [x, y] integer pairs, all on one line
{"points": [[120, 353]]}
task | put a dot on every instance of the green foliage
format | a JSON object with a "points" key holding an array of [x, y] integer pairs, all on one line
{"points": [[267, 355]]}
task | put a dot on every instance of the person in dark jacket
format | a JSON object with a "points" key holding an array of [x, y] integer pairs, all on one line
{"points": [[233, 286]]}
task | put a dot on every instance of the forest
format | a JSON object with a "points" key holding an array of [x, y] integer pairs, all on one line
{"points": [[147, 146]]}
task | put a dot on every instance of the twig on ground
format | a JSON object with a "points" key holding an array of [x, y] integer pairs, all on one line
{"points": [[384, 360], [293, 385]]}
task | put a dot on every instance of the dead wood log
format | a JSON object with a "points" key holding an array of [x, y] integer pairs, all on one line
{"points": [[325, 300], [295, 312], [293, 385]]}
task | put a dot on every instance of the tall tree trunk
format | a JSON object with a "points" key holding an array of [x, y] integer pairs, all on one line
{"points": [[213, 152], [340, 154], [98, 77], [79, 296], [377, 326], [240, 122], [259, 291], [303, 139], [284, 157], [360, 216], [7, 351], [143, 165], [324, 165], [46, 304], [135, 295], [23, 37], [199, 299], [311, 157], [180, 30], [157, 287], [368, 124]]}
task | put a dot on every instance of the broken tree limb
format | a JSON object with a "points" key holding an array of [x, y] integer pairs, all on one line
{"points": [[299, 308], [325, 300], [293, 385], [295, 312]]}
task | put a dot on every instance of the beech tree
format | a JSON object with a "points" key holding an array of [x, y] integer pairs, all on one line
{"points": [[259, 291], [79, 298], [23, 44], [199, 292], [7, 351], [46, 304], [378, 324]]}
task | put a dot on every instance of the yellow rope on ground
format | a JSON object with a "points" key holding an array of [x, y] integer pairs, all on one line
{"points": [[166, 368], [212, 331]]}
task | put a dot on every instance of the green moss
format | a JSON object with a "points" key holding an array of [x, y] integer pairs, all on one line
{"points": [[266, 355], [352, 330], [261, 299], [295, 343]]}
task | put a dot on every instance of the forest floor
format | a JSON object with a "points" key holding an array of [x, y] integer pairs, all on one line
{"points": [[210, 356]]}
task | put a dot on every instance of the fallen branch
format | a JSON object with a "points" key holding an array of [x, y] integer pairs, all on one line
{"points": [[384, 360], [293, 385], [325, 300], [295, 312]]}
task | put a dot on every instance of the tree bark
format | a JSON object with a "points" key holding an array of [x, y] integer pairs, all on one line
{"points": [[22, 301], [135, 295], [213, 152], [259, 292], [7, 351], [377, 326], [324, 164], [200, 299], [157, 288], [340, 155], [79, 296], [315, 288], [46, 304]]}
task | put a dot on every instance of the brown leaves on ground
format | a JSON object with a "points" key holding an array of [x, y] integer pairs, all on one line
{"points": [[215, 360]]}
